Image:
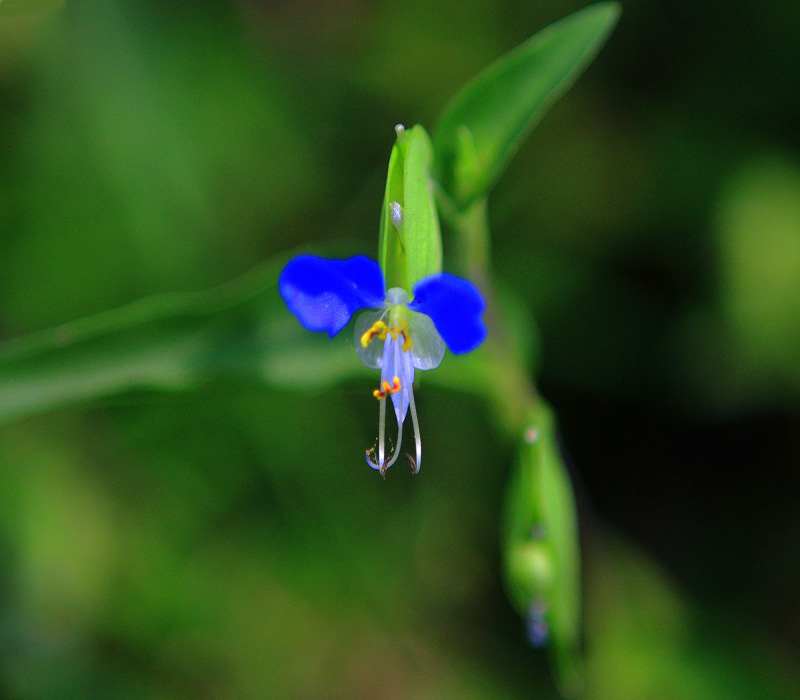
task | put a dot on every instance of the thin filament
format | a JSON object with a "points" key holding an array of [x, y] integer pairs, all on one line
{"points": [[382, 434], [399, 443], [417, 438], [381, 442]]}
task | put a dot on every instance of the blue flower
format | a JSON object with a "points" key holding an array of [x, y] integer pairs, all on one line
{"points": [[398, 336]]}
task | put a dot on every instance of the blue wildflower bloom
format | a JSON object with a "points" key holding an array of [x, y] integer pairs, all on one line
{"points": [[398, 336]]}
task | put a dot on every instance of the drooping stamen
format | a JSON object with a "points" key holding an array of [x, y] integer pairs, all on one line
{"points": [[381, 464]]}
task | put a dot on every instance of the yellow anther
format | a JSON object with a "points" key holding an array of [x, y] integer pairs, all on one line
{"points": [[407, 344], [378, 328]]}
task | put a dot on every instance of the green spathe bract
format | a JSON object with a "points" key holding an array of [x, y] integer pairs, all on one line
{"points": [[410, 248]]}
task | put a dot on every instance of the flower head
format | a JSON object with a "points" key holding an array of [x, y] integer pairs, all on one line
{"points": [[398, 336]]}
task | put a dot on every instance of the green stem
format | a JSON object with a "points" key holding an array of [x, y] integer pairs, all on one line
{"points": [[506, 380], [474, 242]]}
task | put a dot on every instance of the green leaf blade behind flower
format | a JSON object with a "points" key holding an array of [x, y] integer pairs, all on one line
{"points": [[486, 122], [240, 332], [541, 549]]}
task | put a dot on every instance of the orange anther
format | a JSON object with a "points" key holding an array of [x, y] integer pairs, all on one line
{"points": [[392, 388]]}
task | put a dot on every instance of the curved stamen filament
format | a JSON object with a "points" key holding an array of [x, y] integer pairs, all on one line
{"points": [[396, 453], [413, 407], [382, 464], [381, 443]]}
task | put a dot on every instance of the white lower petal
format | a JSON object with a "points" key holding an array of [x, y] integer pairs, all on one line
{"points": [[428, 347], [371, 355]]}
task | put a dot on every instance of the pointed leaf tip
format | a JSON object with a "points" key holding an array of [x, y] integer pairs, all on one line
{"points": [[485, 123]]}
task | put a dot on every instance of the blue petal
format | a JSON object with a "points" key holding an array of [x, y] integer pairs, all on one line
{"points": [[324, 294], [455, 306]]}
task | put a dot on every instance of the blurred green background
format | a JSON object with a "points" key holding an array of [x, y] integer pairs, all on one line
{"points": [[228, 541]]}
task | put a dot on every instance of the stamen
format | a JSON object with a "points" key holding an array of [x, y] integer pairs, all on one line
{"points": [[378, 328], [382, 464], [407, 344], [392, 388]]}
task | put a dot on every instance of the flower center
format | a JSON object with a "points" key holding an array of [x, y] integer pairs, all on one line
{"points": [[380, 329], [396, 296]]}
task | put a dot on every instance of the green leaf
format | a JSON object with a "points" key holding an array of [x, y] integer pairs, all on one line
{"points": [[410, 248], [486, 122], [238, 332], [541, 551]]}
